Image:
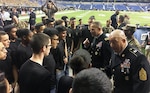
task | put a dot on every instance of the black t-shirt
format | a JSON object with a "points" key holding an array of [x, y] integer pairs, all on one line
{"points": [[64, 84], [23, 53], [6, 66], [58, 55], [50, 65], [34, 78]]}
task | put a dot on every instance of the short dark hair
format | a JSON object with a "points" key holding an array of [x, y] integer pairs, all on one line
{"points": [[49, 20], [60, 28], [91, 80], [97, 23], [64, 18], [23, 32], [92, 17], [50, 31], [38, 25], [59, 22], [38, 41], [72, 18], [81, 59], [8, 28], [121, 18], [2, 33]]}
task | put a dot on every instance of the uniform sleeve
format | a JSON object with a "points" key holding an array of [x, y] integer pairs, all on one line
{"points": [[141, 75]]}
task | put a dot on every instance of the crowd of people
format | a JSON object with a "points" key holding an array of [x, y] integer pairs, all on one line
{"points": [[37, 57]]}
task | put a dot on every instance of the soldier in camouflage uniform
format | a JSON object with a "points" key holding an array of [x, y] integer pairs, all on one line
{"points": [[108, 28], [129, 31], [19, 24]]}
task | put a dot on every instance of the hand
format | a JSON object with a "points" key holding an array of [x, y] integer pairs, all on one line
{"points": [[65, 60], [86, 42]]}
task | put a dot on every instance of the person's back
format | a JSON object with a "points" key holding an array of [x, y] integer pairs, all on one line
{"points": [[33, 77], [37, 81], [114, 19], [91, 80], [80, 60]]}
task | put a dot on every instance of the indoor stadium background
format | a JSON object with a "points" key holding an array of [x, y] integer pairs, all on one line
{"points": [[138, 10]]}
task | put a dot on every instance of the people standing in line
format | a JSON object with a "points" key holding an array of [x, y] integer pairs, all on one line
{"points": [[66, 20], [108, 28], [121, 22], [75, 39], [7, 65], [86, 31], [50, 22], [32, 19], [24, 51], [91, 80], [114, 19], [14, 12], [130, 68], [81, 60], [33, 77], [49, 62], [129, 30], [4, 84], [50, 10], [146, 43], [99, 48], [39, 27], [61, 53], [126, 19]]}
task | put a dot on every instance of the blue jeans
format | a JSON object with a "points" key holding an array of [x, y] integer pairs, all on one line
{"points": [[59, 74], [53, 90]]}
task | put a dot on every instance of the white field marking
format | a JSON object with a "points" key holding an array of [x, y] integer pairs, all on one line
{"points": [[102, 15], [146, 17], [83, 14]]}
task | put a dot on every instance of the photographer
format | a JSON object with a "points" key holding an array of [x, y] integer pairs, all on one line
{"points": [[50, 10]]}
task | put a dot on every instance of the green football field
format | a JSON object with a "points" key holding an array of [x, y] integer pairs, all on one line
{"points": [[142, 18]]}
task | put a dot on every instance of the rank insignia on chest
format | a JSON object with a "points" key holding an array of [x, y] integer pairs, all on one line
{"points": [[69, 34], [99, 45], [125, 66], [96, 53], [142, 74]]}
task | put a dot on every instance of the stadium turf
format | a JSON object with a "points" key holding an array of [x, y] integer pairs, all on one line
{"points": [[142, 18]]}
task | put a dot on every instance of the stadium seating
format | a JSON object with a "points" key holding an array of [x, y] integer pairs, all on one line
{"points": [[121, 7], [134, 8], [26, 3], [98, 6]]}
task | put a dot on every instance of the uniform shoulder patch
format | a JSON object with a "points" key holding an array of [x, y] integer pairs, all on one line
{"points": [[106, 39], [142, 74], [133, 51]]}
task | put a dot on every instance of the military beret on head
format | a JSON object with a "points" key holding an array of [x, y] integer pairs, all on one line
{"points": [[129, 27]]}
